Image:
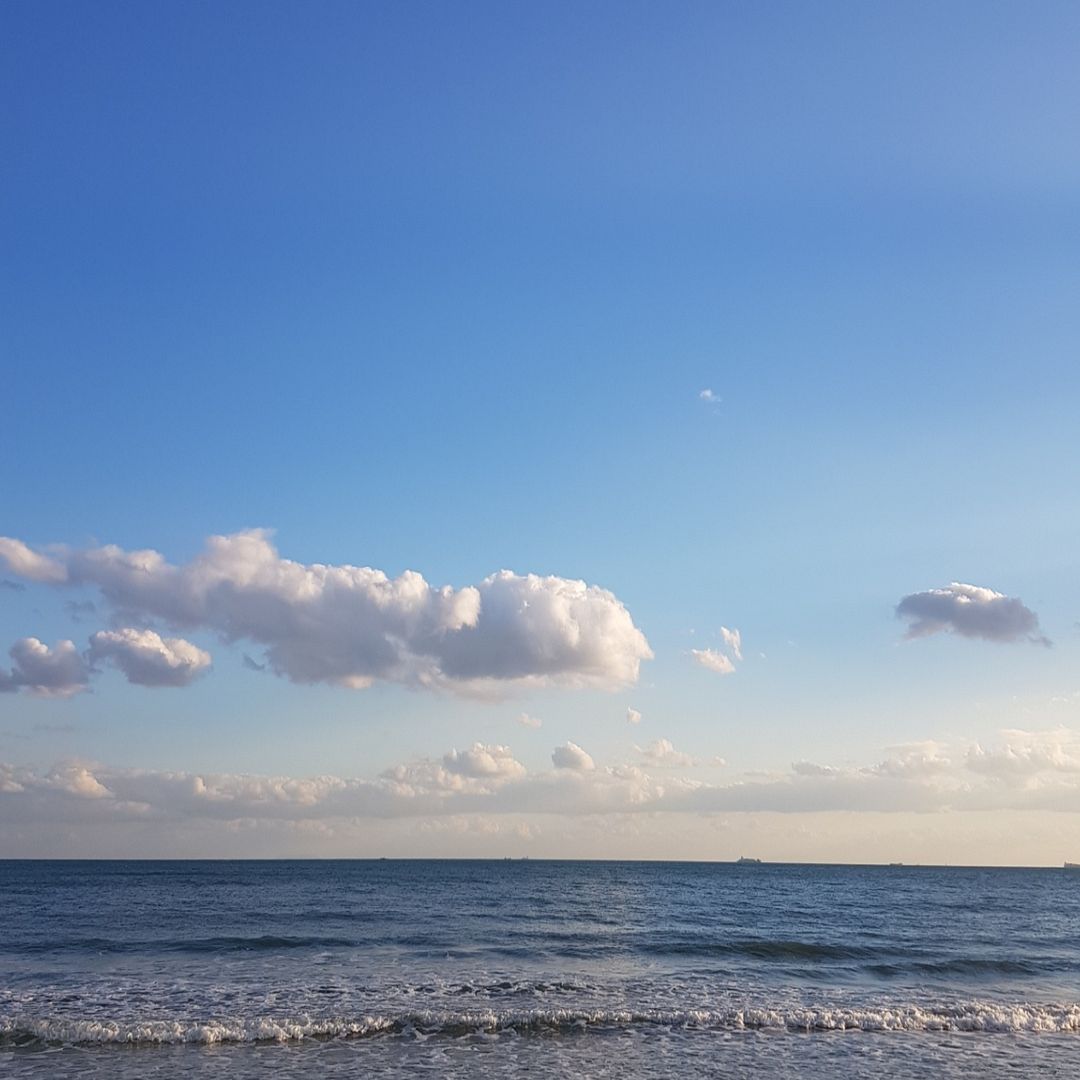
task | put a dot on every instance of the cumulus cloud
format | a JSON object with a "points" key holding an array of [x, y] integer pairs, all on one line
{"points": [[481, 761], [709, 396], [971, 611], [571, 756], [527, 721], [478, 770], [713, 660], [661, 754], [148, 659], [57, 672], [633, 716], [351, 626]]}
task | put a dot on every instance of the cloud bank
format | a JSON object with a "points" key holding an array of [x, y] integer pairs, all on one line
{"points": [[350, 625], [1026, 771], [970, 611]]}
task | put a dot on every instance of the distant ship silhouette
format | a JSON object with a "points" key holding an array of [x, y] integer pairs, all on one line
{"points": [[744, 861]]}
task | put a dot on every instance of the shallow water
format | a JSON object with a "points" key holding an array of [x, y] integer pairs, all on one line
{"points": [[642, 969]]}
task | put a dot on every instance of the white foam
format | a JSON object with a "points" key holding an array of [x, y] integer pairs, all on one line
{"points": [[985, 1017]]}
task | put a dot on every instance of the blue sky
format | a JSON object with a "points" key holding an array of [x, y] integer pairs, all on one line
{"points": [[438, 288]]}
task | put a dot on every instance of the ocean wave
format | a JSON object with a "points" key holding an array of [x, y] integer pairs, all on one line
{"points": [[976, 1017], [221, 944], [761, 949]]}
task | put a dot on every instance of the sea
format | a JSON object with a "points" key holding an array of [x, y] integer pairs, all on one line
{"points": [[390, 968]]}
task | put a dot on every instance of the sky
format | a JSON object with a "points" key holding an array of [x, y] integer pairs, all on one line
{"points": [[594, 431]]}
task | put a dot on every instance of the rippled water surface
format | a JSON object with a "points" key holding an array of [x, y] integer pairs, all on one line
{"points": [[373, 968]]}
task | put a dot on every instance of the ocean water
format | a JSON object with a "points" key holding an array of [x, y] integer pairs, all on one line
{"points": [[494, 968]]}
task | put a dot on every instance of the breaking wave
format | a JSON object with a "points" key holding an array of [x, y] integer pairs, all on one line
{"points": [[979, 1017]]}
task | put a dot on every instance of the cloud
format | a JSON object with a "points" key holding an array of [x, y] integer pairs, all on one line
{"points": [[351, 626], [662, 755], [481, 761], [1027, 770], [571, 756], [1025, 755], [57, 672], [713, 661], [527, 721], [971, 611], [915, 760], [708, 395], [733, 640], [148, 659], [479, 770], [12, 586], [30, 564], [633, 716]]}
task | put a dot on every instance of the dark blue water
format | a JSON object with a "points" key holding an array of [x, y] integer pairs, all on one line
{"points": [[373, 968]]}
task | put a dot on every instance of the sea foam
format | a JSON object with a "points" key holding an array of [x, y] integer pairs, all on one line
{"points": [[976, 1017]]}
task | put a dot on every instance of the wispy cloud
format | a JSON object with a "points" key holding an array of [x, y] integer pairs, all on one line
{"points": [[713, 660], [733, 640]]}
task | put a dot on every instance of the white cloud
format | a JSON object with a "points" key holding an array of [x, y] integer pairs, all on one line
{"points": [[971, 611], [661, 754], [633, 716], [484, 762], [713, 661], [571, 756], [1027, 771], [30, 564], [479, 770], [812, 768], [733, 640], [351, 626], [919, 759], [1026, 754], [57, 672], [708, 395], [148, 659], [527, 721]]}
